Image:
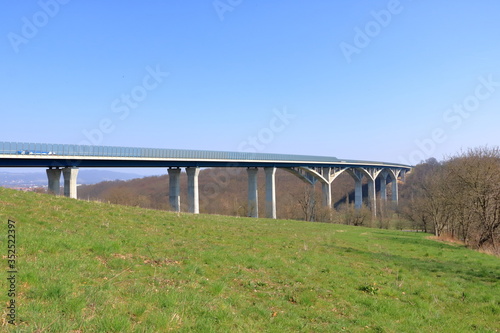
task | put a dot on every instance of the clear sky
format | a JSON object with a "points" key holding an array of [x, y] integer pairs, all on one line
{"points": [[394, 81]]}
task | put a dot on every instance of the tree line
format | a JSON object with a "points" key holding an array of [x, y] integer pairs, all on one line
{"points": [[458, 197]]}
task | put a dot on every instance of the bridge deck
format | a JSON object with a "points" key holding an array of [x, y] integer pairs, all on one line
{"points": [[16, 154]]}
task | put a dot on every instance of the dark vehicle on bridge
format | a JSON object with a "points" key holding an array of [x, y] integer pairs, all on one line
{"points": [[34, 152]]}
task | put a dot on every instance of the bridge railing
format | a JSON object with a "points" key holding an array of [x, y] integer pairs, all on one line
{"points": [[25, 148]]}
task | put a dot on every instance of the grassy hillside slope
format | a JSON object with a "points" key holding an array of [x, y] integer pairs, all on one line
{"points": [[91, 267]]}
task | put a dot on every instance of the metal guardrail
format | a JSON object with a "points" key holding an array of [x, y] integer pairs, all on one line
{"points": [[41, 149]]}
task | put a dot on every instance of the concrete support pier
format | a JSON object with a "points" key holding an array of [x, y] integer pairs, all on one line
{"points": [[54, 176], [358, 193], [372, 196], [270, 192], [383, 187], [193, 194], [327, 195], [327, 188], [253, 196], [395, 191], [174, 189], [70, 175]]}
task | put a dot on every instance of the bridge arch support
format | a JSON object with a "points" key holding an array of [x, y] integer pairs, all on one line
{"points": [[66, 159]]}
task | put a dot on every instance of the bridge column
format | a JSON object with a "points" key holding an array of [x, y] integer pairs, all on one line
{"points": [[174, 189], [253, 196], [372, 196], [358, 193], [383, 188], [395, 191], [54, 177], [270, 192], [327, 194], [70, 175], [327, 188], [193, 194]]}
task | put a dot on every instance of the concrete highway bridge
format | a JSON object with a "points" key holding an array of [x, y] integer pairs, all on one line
{"points": [[67, 159]]}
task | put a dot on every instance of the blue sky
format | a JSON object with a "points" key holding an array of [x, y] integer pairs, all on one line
{"points": [[395, 81]]}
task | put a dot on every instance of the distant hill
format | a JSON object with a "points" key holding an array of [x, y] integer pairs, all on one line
{"points": [[88, 176], [85, 176], [22, 179]]}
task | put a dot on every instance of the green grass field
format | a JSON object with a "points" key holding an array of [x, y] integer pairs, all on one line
{"points": [[92, 267]]}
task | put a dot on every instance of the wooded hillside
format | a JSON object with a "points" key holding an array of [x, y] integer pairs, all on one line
{"points": [[222, 191]]}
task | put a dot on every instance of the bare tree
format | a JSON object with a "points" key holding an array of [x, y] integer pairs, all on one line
{"points": [[356, 217], [459, 197], [307, 201]]}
